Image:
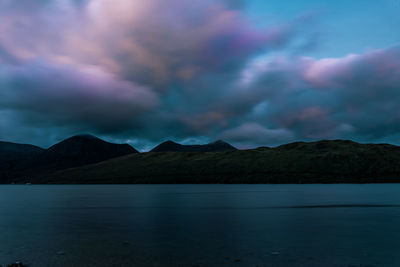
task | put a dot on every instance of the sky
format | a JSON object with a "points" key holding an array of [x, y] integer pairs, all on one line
{"points": [[253, 73]]}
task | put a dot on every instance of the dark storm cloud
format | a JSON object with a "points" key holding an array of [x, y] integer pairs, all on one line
{"points": [[65, 95], [144, 71], [356, 96]]}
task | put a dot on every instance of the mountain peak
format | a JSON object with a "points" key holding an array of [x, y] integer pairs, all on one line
{"points": [[167, 146], [170, 146], [218, 142], [83, 149], [170, 142], [81, 139], [84, 136]]}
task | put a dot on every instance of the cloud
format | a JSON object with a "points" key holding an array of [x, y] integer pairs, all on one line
{"points": [[154, 43], [63, 95], [253, 134], [188, 70], [126, 66], [355, 96]]}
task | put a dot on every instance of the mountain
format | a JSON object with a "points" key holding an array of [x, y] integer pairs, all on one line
{"points": [[336, 161], [11, 154], [170, 146], [80, 150]]}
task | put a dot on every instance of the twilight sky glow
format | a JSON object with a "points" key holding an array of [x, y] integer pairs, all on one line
{"points": [[252, 72]]}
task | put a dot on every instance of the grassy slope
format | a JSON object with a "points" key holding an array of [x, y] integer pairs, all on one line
{"points": [[322, 162]]}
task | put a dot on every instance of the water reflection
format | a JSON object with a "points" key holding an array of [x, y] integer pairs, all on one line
{"points": [[205, 225]]}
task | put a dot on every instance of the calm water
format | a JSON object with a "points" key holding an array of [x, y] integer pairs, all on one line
{"points": [[200, 225]]}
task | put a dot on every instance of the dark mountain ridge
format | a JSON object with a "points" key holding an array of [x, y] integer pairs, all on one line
{"points": [[18, 160], [336, 161], [170, 146], [11, 154], [81, 150], [8, 149], [327, 161]]}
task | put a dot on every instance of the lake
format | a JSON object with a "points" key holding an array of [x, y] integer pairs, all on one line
{"points": [[200, 225]]}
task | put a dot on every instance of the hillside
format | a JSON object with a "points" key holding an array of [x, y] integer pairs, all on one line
{"points": [[11, 154], [23, 162], [335, 161], [80, 150]]}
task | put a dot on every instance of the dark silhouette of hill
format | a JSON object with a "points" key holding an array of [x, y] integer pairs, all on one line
{"points": [[80, 150], [11, 154], [170, 146], [335, 161], [26, 161]]}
